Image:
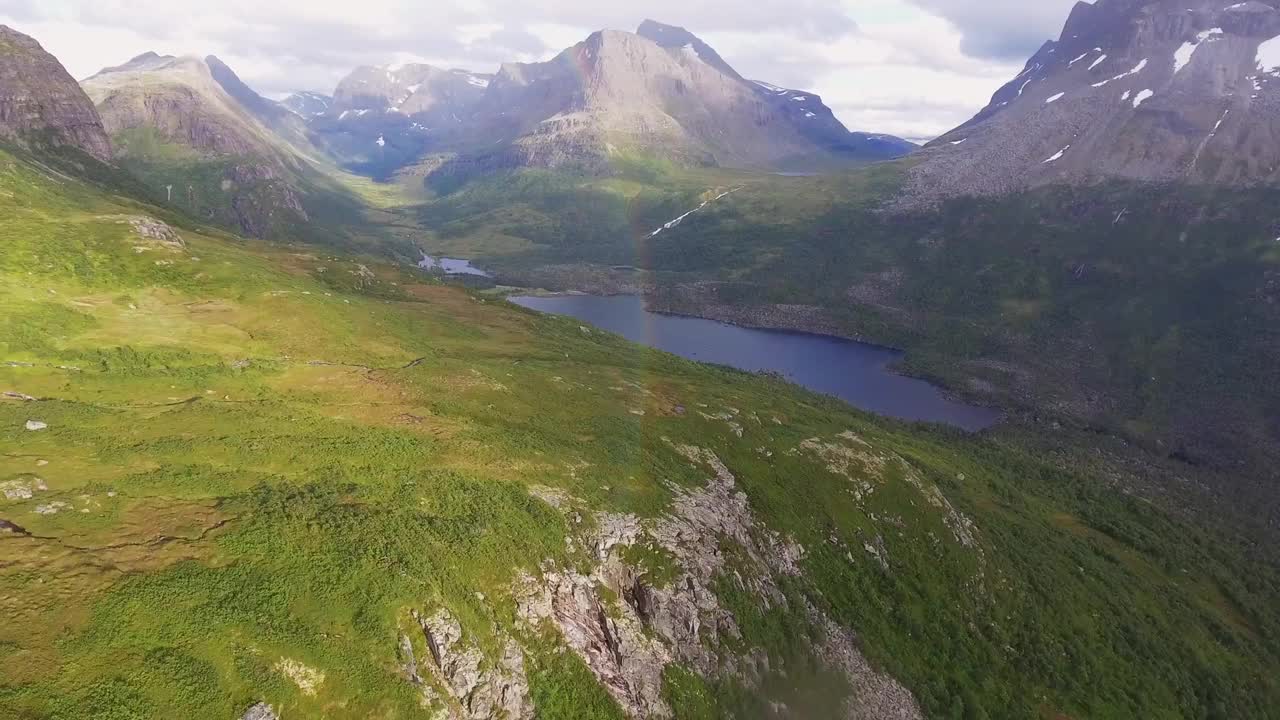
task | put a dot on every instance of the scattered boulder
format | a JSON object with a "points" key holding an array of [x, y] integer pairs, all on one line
{"points": [[36, 426], [261, 711], [22, 488], [156, 232], [306, 678]]}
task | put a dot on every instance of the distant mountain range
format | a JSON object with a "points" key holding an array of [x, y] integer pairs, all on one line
{"points": [[193, 130], [660, 91]]}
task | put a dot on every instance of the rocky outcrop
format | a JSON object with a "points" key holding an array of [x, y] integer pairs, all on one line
{"points": [[1148, 90], [455, 677], [260, 711], [153, 232], [655, 622], [40, 103]]}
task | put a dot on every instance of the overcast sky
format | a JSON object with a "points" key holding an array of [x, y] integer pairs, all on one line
{"points": [[910, 67]]}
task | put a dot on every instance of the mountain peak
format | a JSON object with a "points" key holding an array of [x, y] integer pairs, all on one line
{"points": [[674, 36], [264, 109], [665, 35], [41, 104]]}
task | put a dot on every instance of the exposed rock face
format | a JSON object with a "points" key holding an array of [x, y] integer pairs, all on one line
{"points": [[1160, 90], [41, 104], [458, 680], [628, 644]]}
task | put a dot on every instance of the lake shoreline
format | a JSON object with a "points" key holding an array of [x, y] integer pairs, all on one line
{"points": [[859, 373], [745, 317]]}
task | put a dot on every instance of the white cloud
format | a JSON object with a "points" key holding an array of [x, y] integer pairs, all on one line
{"points": [[909, 67]]}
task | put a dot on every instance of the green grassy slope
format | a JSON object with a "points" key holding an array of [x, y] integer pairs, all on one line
{"points": [[257, 458], [336, 207]]}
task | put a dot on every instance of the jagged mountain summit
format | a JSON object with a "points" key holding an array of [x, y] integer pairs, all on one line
{"points": [[308, 104], [660, 91], [1151, 90], [414, 89], [192, 127], [40, 103]]}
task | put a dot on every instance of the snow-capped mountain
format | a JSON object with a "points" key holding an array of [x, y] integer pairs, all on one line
{"points": [[407, 90], [1161, 90], [308, 104]]}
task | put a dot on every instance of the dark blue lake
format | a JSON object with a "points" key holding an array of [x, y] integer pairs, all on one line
{"points": [[854, 372]]}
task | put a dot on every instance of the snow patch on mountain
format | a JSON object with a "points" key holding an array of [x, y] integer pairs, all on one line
{"points": [[1182, 56], [1269, 56], [676, 222], [1057, 156], [1136, 69]]}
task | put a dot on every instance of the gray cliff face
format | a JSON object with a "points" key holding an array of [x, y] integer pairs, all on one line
{"points": [[40, 103], [1151, 90]]}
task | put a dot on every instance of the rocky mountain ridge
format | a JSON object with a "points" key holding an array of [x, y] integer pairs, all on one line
{"points": [[1149, 90], [414, 89], [41, 104], [174, 115], [659, 91], [308, 104]]}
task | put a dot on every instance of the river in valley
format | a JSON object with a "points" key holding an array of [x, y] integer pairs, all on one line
{"points": [[854, 372]]}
